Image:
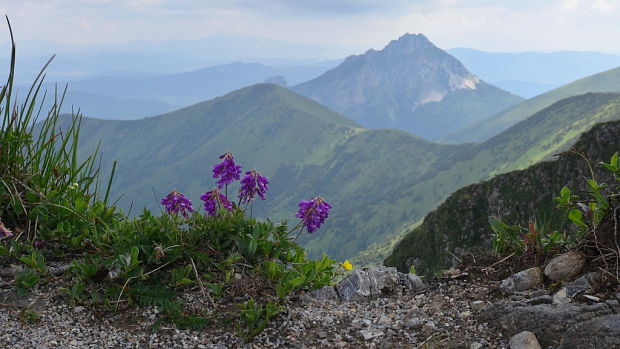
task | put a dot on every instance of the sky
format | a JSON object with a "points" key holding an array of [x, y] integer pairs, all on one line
{"points": [[501, 25]]}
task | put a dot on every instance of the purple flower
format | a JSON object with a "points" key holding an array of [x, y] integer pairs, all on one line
{"points": [[227, 171], [176, 203], [253, 183], [313, 213], [39, 244], [213, 200], [4, 232]]}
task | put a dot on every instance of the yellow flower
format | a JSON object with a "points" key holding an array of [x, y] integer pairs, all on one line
{"points": [[347, 265]]}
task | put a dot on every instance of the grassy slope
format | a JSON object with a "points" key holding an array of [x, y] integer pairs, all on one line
{"points": [[303, 147], [608, 81], [548, 132]]}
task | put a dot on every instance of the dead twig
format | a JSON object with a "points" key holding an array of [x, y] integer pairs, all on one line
{"points": [[202, 287]]}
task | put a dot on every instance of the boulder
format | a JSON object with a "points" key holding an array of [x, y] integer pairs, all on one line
{"points": [[524, 280], [524, 340], [599, 332], [565, 267], [370, 283]]}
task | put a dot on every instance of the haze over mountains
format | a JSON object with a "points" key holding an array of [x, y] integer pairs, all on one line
{"points": [[141, 57], [126, 91], [528, 74], [410, 85]]}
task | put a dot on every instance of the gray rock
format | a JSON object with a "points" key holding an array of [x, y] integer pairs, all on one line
{"points": [[600, 332], [614, 305], [370, 334], [476, 345], [546, 299], [547, 322], [411, 282], [414, 323], [589, 282], [524, 340], [524, 280], [565, 266], [477, 305], [369, 283], [325, 293], [561, 297]]}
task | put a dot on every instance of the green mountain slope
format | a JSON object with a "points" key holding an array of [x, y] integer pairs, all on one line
{"points": [[608, 81], [460, 224], [548, 132], [303, 147], [410, 85]]}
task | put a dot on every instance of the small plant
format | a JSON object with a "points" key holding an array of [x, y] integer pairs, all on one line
{"points": [[254, 318], [74, 293], [26, 280], [536, 238], [29, 316], [35, 261]]}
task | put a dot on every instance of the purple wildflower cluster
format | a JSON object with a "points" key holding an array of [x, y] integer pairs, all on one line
{"points": [[4, 232], [313, 213], [227, 171], [213, 200], [252, 184], [177, 203]]}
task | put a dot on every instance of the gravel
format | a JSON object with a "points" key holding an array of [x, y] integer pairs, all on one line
{"points": [[443, 315]]}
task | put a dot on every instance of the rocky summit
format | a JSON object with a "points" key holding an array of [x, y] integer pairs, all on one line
{"points": [[411, 85]]}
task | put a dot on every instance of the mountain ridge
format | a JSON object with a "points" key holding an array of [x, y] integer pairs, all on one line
{"points": [[411, 85], [607, 81]]}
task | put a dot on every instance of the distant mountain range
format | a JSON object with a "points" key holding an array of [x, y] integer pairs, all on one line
{"points": [[529, 74], [608, 81], [127, 96], [410, 85], [162, 57], [183, 89]]}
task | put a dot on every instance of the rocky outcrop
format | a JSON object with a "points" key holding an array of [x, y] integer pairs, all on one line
{"points": [[370, 283], [600, 332], [548, 322]]}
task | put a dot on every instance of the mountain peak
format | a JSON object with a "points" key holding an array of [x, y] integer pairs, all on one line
{"points": [[410, 84], [410, 42]]}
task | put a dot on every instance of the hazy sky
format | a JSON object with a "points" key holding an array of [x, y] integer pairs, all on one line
{"points": [[508, 25]]}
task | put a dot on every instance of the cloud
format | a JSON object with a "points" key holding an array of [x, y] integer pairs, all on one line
{"points": [[509, 25]]}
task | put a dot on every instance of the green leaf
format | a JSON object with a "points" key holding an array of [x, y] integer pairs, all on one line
{"points": [[576, 217], [80, 205]]}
